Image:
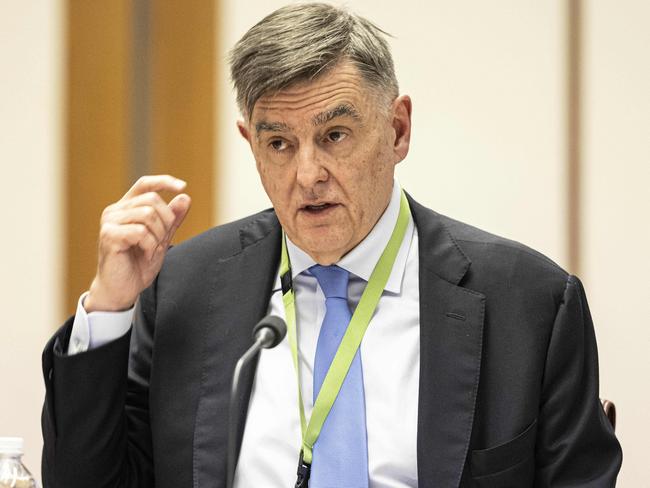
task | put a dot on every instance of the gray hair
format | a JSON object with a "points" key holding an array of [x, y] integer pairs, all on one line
{"points": [[301, 41]]}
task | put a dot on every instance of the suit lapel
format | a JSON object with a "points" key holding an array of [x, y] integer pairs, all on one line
{"points": [[239, 299], [451, 332]]}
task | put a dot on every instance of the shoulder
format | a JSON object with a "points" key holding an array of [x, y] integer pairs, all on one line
{"points": [[508, 267], [223, 241], [494, 262], [485, 248]]}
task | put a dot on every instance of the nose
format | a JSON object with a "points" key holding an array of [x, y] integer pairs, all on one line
{"points": [[310, 167]]}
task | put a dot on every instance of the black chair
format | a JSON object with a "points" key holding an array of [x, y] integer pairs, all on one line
{"points": [[610, 411]]}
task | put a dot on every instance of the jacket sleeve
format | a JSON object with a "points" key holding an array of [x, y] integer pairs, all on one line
{"points": [[95, 417], [576, 446]]}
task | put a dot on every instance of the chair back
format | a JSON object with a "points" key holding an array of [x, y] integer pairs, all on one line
{"points": [[610, 411]]}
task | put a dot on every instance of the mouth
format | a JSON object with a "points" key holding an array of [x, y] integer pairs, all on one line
{"points": [[318, 209]]}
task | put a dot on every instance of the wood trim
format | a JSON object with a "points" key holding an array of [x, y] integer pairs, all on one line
{"points": [[182, 83], [140, 98], [97, 152], [574, 134]]}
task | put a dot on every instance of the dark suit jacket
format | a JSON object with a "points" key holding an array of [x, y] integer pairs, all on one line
{"points": [[508, 369]]}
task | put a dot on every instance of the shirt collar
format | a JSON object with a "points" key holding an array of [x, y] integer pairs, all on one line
{"points": [[361, 260]]}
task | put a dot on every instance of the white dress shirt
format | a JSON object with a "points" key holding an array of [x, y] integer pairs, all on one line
{"points": [[390, 355]]}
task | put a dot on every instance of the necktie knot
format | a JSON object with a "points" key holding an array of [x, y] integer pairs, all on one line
{"points": [[332, 280]]}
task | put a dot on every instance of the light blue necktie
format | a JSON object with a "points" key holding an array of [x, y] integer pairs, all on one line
{"points": [[340, 455]]}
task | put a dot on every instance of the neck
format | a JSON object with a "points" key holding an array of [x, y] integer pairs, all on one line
{"points": [[328, 258]]}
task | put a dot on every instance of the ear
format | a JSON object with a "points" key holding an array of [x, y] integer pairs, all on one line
{"points": [[245, 133], [402, 126], [243, 130]]}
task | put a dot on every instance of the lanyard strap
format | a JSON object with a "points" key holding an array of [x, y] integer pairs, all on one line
{"points": [[351, 339]]}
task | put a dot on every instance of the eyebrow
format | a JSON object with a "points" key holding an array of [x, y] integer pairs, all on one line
{"points": [[271, 127], [343, 110]]}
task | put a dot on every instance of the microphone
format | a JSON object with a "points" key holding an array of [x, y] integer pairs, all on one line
{"points": [[269, 331], [267, 334]]}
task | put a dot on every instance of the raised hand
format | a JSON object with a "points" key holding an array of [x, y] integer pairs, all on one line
{"points": [[134, 236]]}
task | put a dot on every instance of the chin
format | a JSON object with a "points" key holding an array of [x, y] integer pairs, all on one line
{"points": [[323, 250]]}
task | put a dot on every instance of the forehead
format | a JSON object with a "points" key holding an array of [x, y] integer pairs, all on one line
{"points": [[339, 92]]}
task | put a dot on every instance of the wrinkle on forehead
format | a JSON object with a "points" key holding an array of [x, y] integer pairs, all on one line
{"points": [[340, 93], [343, 80], [343, 92]]}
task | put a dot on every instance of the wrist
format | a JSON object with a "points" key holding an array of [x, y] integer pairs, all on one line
{"points": [[97, 301]]}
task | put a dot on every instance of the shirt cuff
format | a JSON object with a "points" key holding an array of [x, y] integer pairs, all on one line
{"points": [[94, 329]]}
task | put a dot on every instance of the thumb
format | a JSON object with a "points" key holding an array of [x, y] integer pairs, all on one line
{"points": [[180, 205]]}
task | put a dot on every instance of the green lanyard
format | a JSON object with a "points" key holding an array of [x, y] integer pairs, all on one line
{"points": [[352, 338]]}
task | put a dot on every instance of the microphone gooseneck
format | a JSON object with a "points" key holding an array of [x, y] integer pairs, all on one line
{"points": [[270, 331], [267, 334]]}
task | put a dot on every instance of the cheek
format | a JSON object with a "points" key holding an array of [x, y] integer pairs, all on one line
{"points": [[263, 172], [371, 183], [277, 185], [268, 175], [372, 174]]}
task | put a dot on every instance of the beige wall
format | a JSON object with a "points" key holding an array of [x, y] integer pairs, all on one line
{"points": [[617, 214], [30, 135]]}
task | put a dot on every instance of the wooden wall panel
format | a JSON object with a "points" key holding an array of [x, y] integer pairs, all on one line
{"points": [[97, 129], [140, 99], [182, 77]]}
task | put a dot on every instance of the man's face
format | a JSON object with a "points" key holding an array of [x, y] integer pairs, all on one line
{"points": [[326, 151]]}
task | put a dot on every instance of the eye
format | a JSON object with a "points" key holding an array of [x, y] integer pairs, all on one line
{"points": [[278, 144], [336, 136]]}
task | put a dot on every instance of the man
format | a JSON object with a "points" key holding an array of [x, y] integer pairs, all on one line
{"points": [[478, 365]]}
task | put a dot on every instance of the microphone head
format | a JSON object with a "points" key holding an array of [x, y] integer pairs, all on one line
{"points": [[273, 327]]}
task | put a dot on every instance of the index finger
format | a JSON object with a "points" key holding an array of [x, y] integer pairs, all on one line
{"points": [[155, 183]]}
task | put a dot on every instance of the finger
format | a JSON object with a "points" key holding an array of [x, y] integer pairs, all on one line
{"points": [[155, 183], [121, 238], [140, 236], [180, 205], [145, 215], [151, 199], [149, 244]]}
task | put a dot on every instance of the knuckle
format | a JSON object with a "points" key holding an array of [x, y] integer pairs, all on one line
{"points": [[106, 212], [115, 246], [106, 232], [103, 233], [148, 242], [152, 197], [142, 230]]}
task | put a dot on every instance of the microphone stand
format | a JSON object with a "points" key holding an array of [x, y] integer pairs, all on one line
{"points": [[265, 337]]}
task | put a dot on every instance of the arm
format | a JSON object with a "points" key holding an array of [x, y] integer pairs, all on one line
{"points": [[96, 415], [576, 446], [91, 330]]}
